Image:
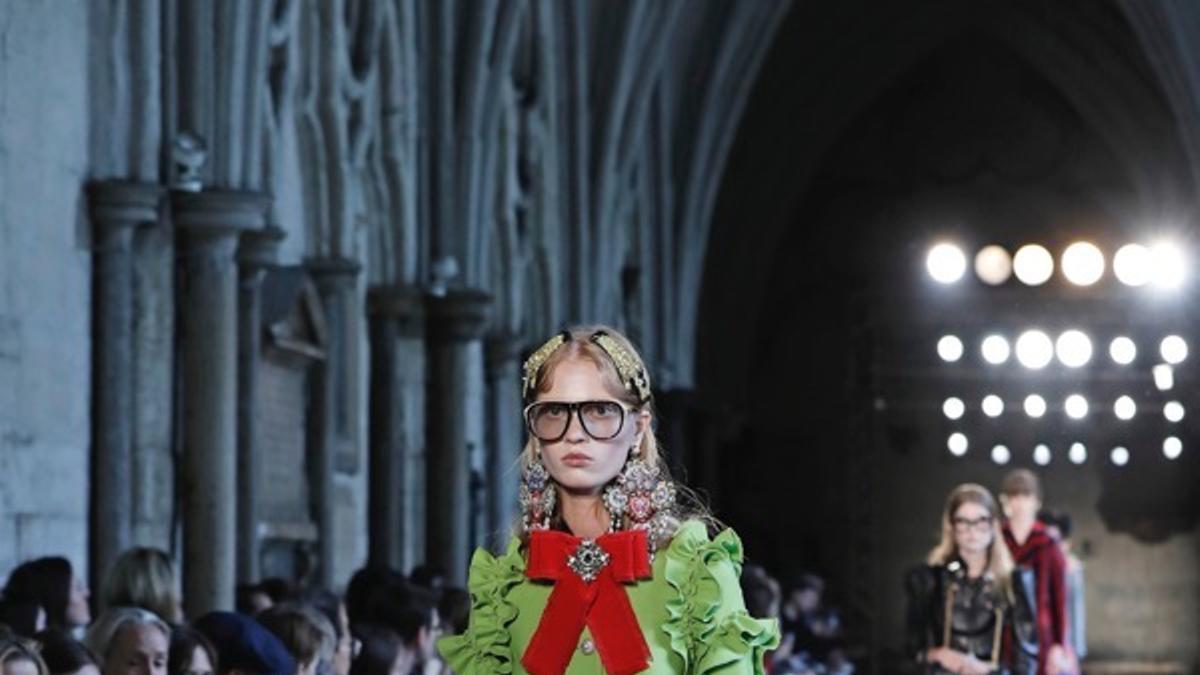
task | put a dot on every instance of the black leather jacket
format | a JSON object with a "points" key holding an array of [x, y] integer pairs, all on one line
{"points": [[975, 603]]}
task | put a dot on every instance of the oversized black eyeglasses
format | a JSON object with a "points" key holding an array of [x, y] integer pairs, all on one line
{"points": [[548, 421]]}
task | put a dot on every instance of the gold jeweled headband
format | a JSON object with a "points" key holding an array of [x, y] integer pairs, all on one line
{"points": [[631, 373]]}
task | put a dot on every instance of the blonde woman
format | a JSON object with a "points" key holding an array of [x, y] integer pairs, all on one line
{"points": [[970, 611], [608, 572], [144, 577]]}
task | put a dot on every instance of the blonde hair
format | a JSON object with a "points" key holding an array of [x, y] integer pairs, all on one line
{"points": [[143, 577], [306, 633], [580, 346], [1000, 563]]}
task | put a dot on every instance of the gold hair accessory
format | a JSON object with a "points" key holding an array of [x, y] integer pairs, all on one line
{"points": [[632, 374], [538, 359]]}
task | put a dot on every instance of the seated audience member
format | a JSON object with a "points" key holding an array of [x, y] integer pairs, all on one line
{"points": [[244, 646], [18, 656], [383, 653], [454, 610], [334, 610], [51, 583], [363, 586], [304, 631], [144, 577], [130, 641], [24, 617], [191, 653], [64, 655], [411, 612]]}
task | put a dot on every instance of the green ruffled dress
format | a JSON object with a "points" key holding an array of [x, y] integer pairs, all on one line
{"points": [[691, 612]]}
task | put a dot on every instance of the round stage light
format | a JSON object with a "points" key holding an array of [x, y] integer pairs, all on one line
{"points": [[1035, 406], [1033, 265], [1076, 406], [950, 348], [1001, 455], [1041, 454], [1174, 349], [1164, 377], [1125, 408], [1082, 263], [1034, 349], [953, 408], [957, 443], [1132, 265], [993, 406], [1074, 349], [1172, 447], [1119, 456], [1168, 268], [1173, 411], [993, 265], [946, 263], [1077, 454], [995, 349], [1122, 350]]}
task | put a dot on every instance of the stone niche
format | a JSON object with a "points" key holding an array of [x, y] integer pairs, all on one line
{"points": [[295, 339]]}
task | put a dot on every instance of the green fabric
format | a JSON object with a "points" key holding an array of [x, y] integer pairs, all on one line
{"points": [[691, 612]]}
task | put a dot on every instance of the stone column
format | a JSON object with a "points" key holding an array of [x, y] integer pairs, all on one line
{"points": [[257, 250], [455, 423], [209, 224], [335, 279], [116, 209], [505, 435], [397, 410]]}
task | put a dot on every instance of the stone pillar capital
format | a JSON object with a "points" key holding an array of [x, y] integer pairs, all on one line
{"points": [[403, 305], [461, 315], [259, 248], [214, 213], [116, 204], [333, 273]]}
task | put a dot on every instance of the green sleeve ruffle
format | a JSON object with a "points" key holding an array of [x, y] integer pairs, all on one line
{"points": [[485, 647], [708, 624]]}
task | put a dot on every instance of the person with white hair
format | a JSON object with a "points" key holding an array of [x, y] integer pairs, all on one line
{"points": [[130, 641]]}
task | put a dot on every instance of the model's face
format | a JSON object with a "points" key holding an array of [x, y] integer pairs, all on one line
{"points": [[578, 462], [200, 664], [137, 650], [973, 528], [1021, 507], [78, 612]]}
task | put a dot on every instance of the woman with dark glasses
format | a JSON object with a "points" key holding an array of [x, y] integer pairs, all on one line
{"points": [[611, 569], [970, 611]]}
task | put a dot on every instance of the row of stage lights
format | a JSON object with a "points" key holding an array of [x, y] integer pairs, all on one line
{"points": [[1077, 453], [1035, 350], [1075, 406], [1082, 263]]}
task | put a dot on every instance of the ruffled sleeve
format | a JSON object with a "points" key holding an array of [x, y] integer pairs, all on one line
{"points": [[485, 647], [708, 624]]}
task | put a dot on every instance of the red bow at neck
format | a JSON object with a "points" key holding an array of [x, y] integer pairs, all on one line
{"points": [[600, 604]]}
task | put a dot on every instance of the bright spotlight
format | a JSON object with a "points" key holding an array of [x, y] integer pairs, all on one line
{"points": [[1077, 454], [950, 348], [1122, 350], [946, 263], [1173, 411], [995, 349], [1076, 406], [1172, 447], [957, 443], [1001, 455], [1125, 408], [1174, 349], [953, 408], [1041, 454], [1033, 265], [1074, 349], [993, 265], [1035, 406], [1168, 269], [1082, 263], [1034, 349], [1119, 456], [1132, 265], [993, 405], [1164, 377]]}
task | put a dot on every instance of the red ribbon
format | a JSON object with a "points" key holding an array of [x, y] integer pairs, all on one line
{"points": [[601, 605]]}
